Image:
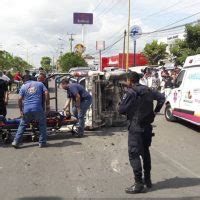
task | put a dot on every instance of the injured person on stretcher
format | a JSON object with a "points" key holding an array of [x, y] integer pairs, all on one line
{"points": [[55, 120]]}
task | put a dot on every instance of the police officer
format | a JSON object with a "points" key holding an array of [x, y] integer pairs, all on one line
{"points": [[82, 100], [137, 104]]}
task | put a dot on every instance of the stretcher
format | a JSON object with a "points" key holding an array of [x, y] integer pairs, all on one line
{"points": [[54, 120]]}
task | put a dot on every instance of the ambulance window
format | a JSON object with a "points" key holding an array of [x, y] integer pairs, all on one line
{"points": [[179, 79]]}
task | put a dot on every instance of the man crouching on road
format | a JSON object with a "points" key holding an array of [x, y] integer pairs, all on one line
{"points": [[82, 99], [138, 105], [31, 108]]}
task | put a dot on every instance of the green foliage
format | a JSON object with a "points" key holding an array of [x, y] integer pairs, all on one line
{"points": [[7, 62], [181, 49], [193, 36], [46, 63], [70, 60], [18, 64], [155, 52]]}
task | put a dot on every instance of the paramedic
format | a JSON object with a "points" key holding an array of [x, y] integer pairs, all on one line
{"points": [[82, 100], [30, 103]]}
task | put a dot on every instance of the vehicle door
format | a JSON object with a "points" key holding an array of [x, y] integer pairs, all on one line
{"points": [[190, 99], [177, 91]]}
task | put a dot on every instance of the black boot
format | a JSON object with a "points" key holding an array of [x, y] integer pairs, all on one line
{"points": [[147, 181], [138, 187]]}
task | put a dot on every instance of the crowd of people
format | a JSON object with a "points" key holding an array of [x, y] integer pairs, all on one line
{"points": [[161, 80]]}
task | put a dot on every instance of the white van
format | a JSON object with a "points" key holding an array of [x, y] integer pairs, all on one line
{"points": [[184, 99]]}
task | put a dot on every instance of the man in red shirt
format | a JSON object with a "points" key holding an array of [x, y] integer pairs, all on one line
{"points": [[17, 78]]}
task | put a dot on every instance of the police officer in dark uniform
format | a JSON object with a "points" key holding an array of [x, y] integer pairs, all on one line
{"points": [[137, 104]]}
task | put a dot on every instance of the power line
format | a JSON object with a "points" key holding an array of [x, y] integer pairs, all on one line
{"points": [[177, 9], [98, 5], [105, 8], [148, 16], [167, 29], [109, 47], [164, 9], [144, 34], [163, 29], [109, 9], [180, 20]]}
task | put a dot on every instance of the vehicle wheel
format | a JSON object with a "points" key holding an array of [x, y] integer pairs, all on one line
{"points": [[168, 114], [74, 130]]}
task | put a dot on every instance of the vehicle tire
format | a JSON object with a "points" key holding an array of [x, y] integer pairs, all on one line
{"points": [[168, 114], [74, 130]]}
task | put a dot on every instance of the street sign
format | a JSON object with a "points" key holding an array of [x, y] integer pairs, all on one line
{"points": [[136, 32], [83, 18], [100, 45], [79, 48]]}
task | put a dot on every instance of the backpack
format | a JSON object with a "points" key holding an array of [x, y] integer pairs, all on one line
{"points": [[138, 102]]}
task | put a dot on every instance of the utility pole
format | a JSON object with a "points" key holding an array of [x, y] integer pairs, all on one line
{"points": [[128, 35], [71, 39], [134, 53], [100, 58], [60, 49], [124, 49], [52, 66]]}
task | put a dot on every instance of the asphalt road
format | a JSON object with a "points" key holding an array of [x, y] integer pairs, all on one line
{"points": [[97, 165]]}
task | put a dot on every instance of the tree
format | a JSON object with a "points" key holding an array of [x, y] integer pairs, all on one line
{"points": [[193, 36], [181, 49], [46, 63], [69, 60], [18, 64], [7, 62], [155, 52]]}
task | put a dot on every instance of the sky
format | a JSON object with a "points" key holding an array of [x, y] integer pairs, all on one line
{"points": [[32, 28]]}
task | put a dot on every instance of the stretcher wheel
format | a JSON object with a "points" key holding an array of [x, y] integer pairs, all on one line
{"points": [[7, 138], [35, 138], [74, 130]]}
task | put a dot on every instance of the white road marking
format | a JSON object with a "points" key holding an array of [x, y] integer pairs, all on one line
{"points": [[81, 190], [115, 166], [177, 163]]}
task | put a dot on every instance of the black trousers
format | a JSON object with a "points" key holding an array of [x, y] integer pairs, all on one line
{"points": [[138, 145], [3, 110]]}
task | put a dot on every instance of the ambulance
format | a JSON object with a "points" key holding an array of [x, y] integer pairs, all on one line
{"points": [[183, 101]]}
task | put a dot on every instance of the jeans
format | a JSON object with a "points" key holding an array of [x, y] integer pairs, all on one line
{"points": [[84, 106], [27, 118], [18, 85]]}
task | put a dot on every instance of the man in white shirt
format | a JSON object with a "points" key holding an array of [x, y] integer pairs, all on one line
{"points": [[146, 79], [4, 77]]}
